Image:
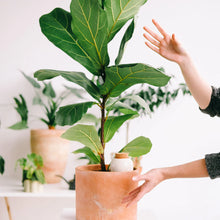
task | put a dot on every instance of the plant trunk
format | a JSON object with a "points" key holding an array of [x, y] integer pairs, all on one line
{"points": [[102, 157]]}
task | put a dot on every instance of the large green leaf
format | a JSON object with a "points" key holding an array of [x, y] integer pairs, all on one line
{"points": [[119, 78], [119, 12], [85, 134], [112, 124], [127, 36], [89, 25], [70, 114], [93, 159], [138, 147], [75, 77], [56, 26]]}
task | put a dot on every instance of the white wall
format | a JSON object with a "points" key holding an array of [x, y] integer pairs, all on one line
{"points": [[179, 132]]}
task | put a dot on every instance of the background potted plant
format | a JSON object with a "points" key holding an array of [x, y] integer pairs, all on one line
{"points": [[32, 173], [46, 142], [84, 34]]}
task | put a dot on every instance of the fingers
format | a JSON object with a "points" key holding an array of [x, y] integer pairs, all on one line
{"points": [[154, 42], [154, 35], [159, 28], [156, 49], [133, 197]]}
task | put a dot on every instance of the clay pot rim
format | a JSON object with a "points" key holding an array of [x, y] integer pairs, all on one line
{"points": [[47, 129], [97, 167]]}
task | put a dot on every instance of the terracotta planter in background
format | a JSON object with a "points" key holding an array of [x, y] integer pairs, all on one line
{"points": [[54, 151], [99, 194]]}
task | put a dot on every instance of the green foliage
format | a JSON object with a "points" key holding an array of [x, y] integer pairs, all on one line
{"points": [[127, 36], [85, 134], [154, 97], [21, 108], [138, 147], [2, 165], [113, 123], [89, 155], [121, 77], [119, 12], [73, 113], [75, 77], [84, 34], [31, 167], [46, 98]]}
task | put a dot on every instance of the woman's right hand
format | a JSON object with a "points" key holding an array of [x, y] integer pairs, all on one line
{"points": [[165, 45]]}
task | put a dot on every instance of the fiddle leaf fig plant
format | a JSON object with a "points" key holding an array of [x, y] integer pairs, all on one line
{"points": [[84, 34]]}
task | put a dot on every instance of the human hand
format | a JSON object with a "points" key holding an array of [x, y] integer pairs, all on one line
{"points": [[165, 45], [151, 178]]}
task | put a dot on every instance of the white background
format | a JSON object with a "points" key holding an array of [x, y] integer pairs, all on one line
{"points": [[179, 132]]}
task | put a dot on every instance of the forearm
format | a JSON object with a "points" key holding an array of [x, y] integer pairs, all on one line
{"points": [[189, 170], [199, 88]]}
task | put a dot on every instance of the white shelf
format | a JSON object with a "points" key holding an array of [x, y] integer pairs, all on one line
{"points": [[11, 187]]}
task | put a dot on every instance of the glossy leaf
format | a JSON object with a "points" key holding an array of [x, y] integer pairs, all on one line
{"points": [[70, 114], [119, 78], [127, 36], [89, 25], [138, 147], [93, 159], [85, 134], [76, 77], [112, 124], [119, 12], [56, 26]]}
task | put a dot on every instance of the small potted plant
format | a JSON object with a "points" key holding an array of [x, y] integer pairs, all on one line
{"points": [[46, 142], [84, 34], [32, 173], [2, 165]]}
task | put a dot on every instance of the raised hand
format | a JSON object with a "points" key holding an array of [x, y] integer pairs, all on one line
{"points": [[165, 45], [151, 178]]}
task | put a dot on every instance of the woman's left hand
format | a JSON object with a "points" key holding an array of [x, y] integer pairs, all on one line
{"points": [[151, 178]]}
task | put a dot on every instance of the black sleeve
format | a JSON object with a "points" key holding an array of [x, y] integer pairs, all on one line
{"points": [[213, 108], [213, 165]]}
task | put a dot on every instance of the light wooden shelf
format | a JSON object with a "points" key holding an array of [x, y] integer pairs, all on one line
{"points": [[12, 187]]}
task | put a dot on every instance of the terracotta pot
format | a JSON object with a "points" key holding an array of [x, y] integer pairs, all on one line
{"points": [[54, 151], [99, 194]]}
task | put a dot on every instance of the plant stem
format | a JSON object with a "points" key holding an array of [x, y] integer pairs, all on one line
{"points": [[103, 1], [102, 133]]}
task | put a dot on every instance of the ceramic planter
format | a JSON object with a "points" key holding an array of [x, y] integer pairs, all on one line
{"points": [[54, 151], [32, 186], [99, 194]]}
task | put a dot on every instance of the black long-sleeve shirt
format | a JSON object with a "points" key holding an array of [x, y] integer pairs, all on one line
{"points": [[213, 109]]}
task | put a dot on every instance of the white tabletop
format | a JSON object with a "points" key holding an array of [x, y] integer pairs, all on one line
{"points": [[12, 187]]}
